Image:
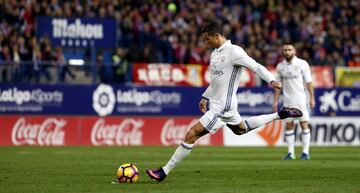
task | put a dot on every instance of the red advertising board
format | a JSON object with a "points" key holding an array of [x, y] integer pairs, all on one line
{"points": [[96, 131], [181, 75], [323, 76], [160, 74], [38, 130]]}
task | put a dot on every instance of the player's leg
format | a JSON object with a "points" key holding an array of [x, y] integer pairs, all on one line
{"points": [[306, 137], [305, 134], [290, 140], [209, 122], [257, 121], [183, 150]]}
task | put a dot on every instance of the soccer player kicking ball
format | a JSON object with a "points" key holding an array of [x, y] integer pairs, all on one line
{"points": [[225, 63], [293, 72]]}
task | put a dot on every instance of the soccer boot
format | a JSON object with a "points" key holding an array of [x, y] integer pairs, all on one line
{"points": [[158, 175], [305, 156], [287, 112], [289, 156]]}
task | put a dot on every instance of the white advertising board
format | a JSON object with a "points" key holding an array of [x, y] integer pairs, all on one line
{"points": [[325, 131]]}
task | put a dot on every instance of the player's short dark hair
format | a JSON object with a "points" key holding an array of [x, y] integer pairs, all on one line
{"points": [[286, 43], [211, 27]]}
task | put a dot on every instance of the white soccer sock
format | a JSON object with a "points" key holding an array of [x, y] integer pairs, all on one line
{"points": [[255, 122], [306, 136], [290, 140], [181, 152]]}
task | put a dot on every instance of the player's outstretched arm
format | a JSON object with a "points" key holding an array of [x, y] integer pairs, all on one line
{"points": [[240, 58]]}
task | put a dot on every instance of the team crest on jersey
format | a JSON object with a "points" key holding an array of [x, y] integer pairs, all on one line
{"points": [[222, 59]]}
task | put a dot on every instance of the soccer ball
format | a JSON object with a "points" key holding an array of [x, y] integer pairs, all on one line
{"points": [[127, 173]]}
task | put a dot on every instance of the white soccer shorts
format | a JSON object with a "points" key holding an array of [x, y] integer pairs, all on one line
{"points": [[213, 119], [303, 108]]}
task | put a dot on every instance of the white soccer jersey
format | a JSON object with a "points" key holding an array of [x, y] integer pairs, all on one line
{"points": [[225, 63], [293, 76]]}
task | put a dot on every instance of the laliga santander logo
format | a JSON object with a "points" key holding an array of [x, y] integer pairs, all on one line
{"points": [[173, 134], [271, 132], [127, 132], [104, 100], [49, 132]]}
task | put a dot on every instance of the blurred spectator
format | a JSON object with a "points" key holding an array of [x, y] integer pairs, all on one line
{"points": [[120, 65], [5, 62], [15, 67], [100, 68], [46, 62], [337, 60], [63, 66]]}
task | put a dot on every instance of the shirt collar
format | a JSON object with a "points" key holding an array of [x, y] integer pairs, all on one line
{"points": [[292, 60], [226, 43]]}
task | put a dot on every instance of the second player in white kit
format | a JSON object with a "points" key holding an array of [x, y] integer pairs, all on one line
{"points": [[294, 73]]}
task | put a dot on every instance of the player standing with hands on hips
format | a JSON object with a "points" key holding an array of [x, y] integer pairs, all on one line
{"points": [[225, 63], [293, 73]]}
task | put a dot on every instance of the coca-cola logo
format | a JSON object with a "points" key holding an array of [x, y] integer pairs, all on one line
{"points": [[49, 132], [173, 134], [127, 132]]}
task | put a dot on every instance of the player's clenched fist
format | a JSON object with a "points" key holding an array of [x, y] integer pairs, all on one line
{"points": [[202, 105], [276, 84]]}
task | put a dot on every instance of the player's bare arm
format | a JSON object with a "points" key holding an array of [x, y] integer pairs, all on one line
{"points": [[204, 100], [276, 98], [275, 84], [203, 105], [310, 87]]}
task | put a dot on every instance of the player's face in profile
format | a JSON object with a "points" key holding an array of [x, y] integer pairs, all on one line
{"points": [[210, 40], [288, 51]]}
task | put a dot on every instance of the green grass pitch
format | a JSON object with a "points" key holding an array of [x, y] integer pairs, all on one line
{"points": [[206, 169]]}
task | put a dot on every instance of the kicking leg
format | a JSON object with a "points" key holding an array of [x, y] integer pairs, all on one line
{"points": [[180, 153], [252, 123], [257, 121]]}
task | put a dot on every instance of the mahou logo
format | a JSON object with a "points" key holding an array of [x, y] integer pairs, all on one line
{"points": [[49, 132], [173, 134], [128, 132]]}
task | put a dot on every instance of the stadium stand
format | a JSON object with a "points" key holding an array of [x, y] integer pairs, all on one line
{"points": [[157, 31]]}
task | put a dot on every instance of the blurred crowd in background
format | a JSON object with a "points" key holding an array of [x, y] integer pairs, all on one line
{"points": [[167, 31]]}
